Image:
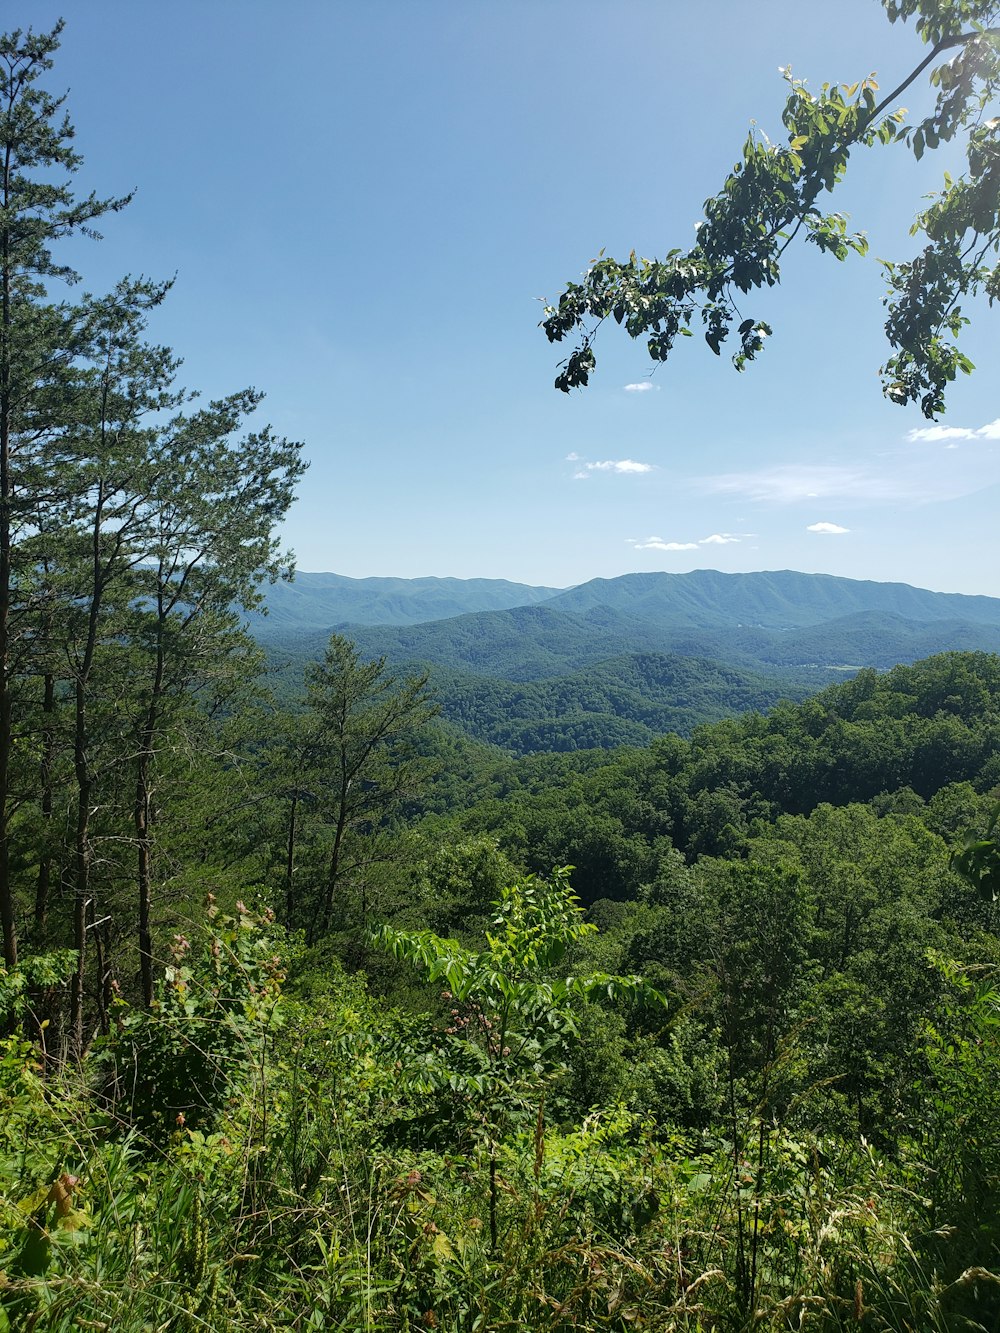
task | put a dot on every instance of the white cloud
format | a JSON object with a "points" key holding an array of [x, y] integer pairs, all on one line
{"points": [[619, 465], [829, 529], [933, 434], [643, 386], [716, 539]]}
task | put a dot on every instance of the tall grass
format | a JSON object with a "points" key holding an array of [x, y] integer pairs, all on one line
{"points": [[306, 1185]]}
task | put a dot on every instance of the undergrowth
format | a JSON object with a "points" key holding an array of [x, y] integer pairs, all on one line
{"points": [[239, 1158]]}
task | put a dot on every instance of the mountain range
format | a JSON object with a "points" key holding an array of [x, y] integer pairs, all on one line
{"points": [[620, 660], [322, 601]]}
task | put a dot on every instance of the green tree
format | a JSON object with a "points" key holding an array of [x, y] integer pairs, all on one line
{"points": [[134, 531], [759, 965], [363, 724], [211, 521], [100, 506], [515, 1014], [37, 340], [774, 195]]}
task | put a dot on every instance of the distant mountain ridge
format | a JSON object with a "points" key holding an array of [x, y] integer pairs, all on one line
{"points": [[703, 599], [324, 601], [778, 599], [758, 621], [604, 663]]}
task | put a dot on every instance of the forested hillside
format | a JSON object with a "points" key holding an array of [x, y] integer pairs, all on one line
{"points": [[318, 1014], [616, 661], [620, 701]]}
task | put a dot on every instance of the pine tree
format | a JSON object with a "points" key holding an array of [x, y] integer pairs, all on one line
{"points": [[364, 722], [37, 339]]}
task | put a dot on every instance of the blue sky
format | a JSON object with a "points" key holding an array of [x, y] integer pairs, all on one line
{"points": [[362, 201]]}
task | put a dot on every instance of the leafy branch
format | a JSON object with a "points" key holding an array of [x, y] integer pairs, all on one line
{"points": [[772, 195]]}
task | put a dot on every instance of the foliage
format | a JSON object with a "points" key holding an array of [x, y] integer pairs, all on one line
{"points": [[518, 1014], [512, 1018], [977, 860], [299, 1211], [347, 767], [774, 194], [36, 972], [204, 1040], [963, 1102]]}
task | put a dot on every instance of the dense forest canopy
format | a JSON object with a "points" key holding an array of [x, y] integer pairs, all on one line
{"points": [[318, 1013]]}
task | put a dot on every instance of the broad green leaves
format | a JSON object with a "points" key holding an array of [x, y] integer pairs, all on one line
{"points": [[512, 1018], [977, 859], [510, 1006]]}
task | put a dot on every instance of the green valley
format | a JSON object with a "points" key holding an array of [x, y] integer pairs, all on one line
{"points": [[615, 661]]}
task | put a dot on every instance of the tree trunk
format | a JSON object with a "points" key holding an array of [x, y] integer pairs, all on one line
{"points": [[81, 868], [333, 869], [84, 780], [142, 808], [144, 881], [102, 971], [43, 885], [290, 860]]}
